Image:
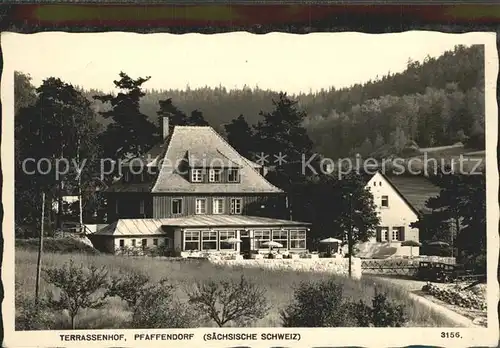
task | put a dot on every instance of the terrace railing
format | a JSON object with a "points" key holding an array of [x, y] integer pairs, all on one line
{"points": [[399, 266], [389, 266]]}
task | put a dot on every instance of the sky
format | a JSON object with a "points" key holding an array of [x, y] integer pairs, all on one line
{"points": [[276, 61]]}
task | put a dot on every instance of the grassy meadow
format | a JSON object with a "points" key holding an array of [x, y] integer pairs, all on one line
{"points": [[279, 286]]}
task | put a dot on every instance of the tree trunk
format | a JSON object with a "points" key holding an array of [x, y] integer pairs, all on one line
{"points": [[60, 193], [59, 205], [454, 235], [49, 215], [80, 203], [73, 321], [289, 207], [40, 249]]}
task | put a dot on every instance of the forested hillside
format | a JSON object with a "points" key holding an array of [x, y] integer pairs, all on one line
{"points": [[437, 102]]}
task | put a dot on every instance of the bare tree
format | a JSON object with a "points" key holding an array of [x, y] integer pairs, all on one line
{"points": [[40, 250], [224, 301], [80, 288]]}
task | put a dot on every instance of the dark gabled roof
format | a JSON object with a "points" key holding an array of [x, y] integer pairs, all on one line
{"points": [[196, 158], [149, 158], [414, 189], [198, 143], [199, 140]]}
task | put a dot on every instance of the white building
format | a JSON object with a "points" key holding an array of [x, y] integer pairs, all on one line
{"points": [[399, 201]]}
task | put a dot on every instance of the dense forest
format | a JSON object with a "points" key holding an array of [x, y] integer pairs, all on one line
{"points": [[436, 102]]}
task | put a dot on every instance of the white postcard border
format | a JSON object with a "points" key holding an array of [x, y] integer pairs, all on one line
{"points": [[372, 337]]}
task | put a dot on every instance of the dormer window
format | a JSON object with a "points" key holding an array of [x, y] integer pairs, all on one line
{"points": [[196, 175], [233, 175], [215, 175]]}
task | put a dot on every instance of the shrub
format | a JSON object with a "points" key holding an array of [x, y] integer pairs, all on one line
{"points": [[156, 308], [385, 313], [316, 304], [475, 262], [57, 245], [321, 304], [32, 316], [362, 313], [128, 287], [228, 300], [80, 288]]}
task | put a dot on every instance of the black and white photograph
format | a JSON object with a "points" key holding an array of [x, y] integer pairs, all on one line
{"points": [[182, 189]]}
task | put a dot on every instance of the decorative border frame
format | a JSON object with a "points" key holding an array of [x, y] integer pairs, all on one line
{"points": [[217, 17]]}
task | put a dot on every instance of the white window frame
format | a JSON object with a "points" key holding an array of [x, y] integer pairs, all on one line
{"points": [[384, 233], [196, 175], [144, 245], [120, 242], [194, 237], [296, 236], [397, 232], [133, 243], [172, 206], [280, 236], [155, 241], [261, 236], [236, 203], [382, 201], [211, 237], [141, 206], [237, 176], [223, 235], [214, 205], [199, 212], [215, 175]]}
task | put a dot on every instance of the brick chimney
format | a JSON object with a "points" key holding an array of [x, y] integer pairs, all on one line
{"points": [[165, 127]]}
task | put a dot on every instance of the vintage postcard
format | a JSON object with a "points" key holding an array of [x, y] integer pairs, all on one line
{"points": [[329, 189]]}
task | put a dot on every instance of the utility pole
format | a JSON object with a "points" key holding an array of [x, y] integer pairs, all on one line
{"points": [[349, 236], [40, 249], [289, 207]]}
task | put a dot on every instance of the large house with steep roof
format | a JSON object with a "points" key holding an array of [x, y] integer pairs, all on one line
{"points": [[191, 193], [399, 201]]}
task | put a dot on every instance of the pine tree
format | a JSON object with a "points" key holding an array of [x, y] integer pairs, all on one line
{"points": [[282, 132], [175, 115], [131, 132], [196, 119], [60, 126], [366, 148], [240, 136]]}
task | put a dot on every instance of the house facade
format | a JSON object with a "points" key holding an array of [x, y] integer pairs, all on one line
{"points": [[190, 193], [399, 201]]}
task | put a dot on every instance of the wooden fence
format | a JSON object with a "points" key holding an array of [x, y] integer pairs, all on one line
{"points": [[405, 267]]}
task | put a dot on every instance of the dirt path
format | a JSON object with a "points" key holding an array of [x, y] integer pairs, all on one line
{"points": [[411, 285]]}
